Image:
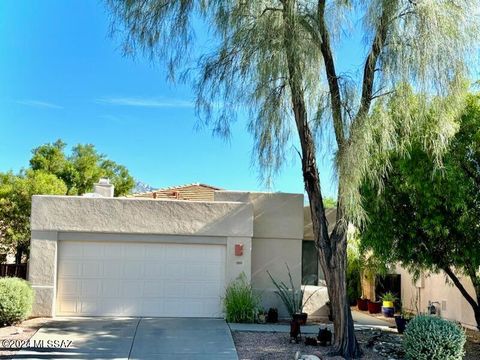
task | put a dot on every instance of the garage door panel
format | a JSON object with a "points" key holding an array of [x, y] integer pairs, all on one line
{"points": [[73, 250], [140, 279], [113, 269], [94, 251], [70, 268], [92, 269], [132, 270]]}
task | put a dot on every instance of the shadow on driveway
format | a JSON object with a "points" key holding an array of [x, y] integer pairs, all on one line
{"points": [[132, 338]]}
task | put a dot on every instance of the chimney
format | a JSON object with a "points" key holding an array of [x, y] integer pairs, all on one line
{"points": [[103, 188]]}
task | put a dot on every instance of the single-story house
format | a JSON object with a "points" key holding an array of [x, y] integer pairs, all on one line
{"points": [[154, 256]]}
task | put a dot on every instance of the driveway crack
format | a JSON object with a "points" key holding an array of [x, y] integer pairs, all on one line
{"points": [[134, 336]]}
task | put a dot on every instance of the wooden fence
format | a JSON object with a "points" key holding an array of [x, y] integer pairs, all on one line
{"points": [[17, 270]]}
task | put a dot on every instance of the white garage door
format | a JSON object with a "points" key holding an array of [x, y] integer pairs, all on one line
{"points": [[140, 279]]}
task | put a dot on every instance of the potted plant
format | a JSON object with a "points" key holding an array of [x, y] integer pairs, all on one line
{"points": [[402, 320], [362, 304], [262, 317], [374, 307], [272, 315], [388, 300], [292, 298]]}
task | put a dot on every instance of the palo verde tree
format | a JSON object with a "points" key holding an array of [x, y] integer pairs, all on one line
{"points": [[428, 219], [277, 59]]}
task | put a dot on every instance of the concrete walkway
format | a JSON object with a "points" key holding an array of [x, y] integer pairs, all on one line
{"points": [[132, 338], [361, 322]]}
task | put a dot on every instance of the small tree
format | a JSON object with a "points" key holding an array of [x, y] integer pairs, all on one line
{"points": [[429, 219]]}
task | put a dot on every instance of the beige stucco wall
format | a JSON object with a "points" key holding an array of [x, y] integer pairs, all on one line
{"points": [[278, 226], [136, 215], [433, 287], [61, 218]]}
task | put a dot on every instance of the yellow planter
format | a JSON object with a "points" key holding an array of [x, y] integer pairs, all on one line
{"points": [[388, 304]]}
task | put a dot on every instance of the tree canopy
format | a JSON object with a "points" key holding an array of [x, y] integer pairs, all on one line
{"points": [[51, 172], [276, 61], [15, 204], [428, 218], [82, 168]]}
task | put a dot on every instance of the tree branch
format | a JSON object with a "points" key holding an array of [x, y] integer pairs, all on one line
{"points": [[369, 69], [471, 174], [460, 287], [332, 77]]}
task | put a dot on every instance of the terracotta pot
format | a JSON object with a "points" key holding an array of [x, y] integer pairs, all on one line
{"points": [[362, 304], [374, 307], [300, 318]]}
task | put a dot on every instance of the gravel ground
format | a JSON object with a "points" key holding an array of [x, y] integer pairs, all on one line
{"points": [[18, 334], [277, 346]]}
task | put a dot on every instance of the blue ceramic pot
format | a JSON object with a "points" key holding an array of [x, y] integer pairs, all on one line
{"points": [[388, 311]]}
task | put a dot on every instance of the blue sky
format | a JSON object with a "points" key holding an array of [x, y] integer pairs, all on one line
{"points": [[62, 76]]}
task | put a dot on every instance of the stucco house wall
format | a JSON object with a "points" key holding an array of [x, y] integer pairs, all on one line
{"points": [[270, 226], [57, 218], [435, 288], [277, 240]]}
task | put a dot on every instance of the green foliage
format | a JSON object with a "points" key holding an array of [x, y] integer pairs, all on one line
{"points": [[329, 203], [119, 177], [240, 304], [433, 338], [354, 269], [80, 170], [51, 172], [291, 297], [16, 299], [425, 44], [15, 205], [277, 59], [389, 296], [428, 218]]}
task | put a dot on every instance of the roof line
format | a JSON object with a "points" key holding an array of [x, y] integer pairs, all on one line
{"points": [[179, 186]]}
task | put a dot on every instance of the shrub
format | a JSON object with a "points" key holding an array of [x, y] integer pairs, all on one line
{"points": [[16, 298], [433, 338], [240, 303], [291, 297]]}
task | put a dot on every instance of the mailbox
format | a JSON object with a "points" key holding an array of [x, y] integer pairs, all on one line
{"points": [[238, 249]]}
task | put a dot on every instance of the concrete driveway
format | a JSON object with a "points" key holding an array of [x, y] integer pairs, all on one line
{"points": [[132, 338]]}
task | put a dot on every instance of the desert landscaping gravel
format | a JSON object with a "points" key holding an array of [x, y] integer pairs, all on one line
{"points": [[273, 346]]}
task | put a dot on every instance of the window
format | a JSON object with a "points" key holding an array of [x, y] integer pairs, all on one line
{"points": [[309, 263]]}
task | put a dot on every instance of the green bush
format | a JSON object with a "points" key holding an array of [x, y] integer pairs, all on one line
{"points": [[16, 298], [433, 338], [240, 303]]}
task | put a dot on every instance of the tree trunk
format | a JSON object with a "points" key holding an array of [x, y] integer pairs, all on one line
{"points": [[18, 255], [331, 249], [475, 304]]}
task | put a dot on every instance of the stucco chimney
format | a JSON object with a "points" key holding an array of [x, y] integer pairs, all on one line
{"points": [[103, 188]]}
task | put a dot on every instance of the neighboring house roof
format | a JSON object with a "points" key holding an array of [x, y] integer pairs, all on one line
{"points": [[195, 192]]}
